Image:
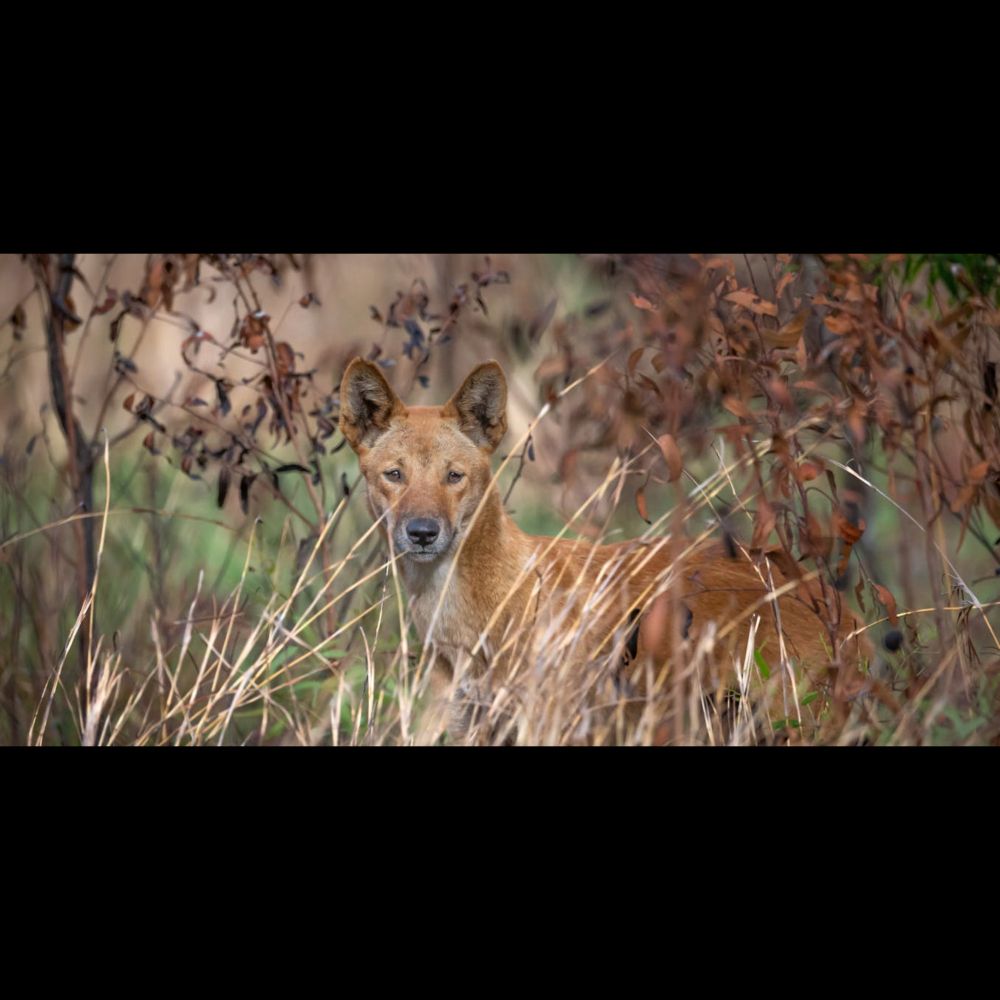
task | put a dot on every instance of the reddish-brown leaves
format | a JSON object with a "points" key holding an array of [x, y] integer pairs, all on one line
{"points": [[284, 358], [887, 601], [71, 321], [839, 323], [737, 407], [749, 300], [814, 538], [849, 527], [978, 473], [107, 305], [976, 477], [150, 293], [252, 331], [640, 302], [788, 335], [783, 282], [763, 524], [672, 455], [856, 422], [808, 470], [849, 530], [640, 504]]}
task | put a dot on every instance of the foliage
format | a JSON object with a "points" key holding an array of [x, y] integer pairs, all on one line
{"points": [[833, 416], [962, 275]]}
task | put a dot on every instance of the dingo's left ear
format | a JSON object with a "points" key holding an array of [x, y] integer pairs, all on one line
{"points": [[481, 405], [367, 404]]}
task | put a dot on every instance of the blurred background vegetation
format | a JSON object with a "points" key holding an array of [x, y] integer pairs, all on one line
{"points": [[205, 388]]}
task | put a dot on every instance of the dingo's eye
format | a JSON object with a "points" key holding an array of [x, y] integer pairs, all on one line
{"points": [[393, 475], [456, 477]]}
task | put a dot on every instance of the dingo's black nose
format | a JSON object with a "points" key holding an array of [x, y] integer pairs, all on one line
{"points": [[422, 531]]}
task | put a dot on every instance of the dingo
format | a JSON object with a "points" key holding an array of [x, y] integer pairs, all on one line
{"points": [[477, 585]]}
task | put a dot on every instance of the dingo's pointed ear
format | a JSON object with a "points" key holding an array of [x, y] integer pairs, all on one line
{"points": [[367, 404], [481, 405]]}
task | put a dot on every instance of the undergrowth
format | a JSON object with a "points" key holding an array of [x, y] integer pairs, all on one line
{"points": [[188, 559]]}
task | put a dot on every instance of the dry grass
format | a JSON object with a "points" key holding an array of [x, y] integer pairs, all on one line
{"points": [[229, 664], [311, 642]]}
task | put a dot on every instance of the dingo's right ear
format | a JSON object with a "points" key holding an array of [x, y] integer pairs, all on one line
{"points": [[367, 404]]}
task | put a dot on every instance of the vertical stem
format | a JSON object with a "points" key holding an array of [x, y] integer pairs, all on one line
{"points": [[79, 457]]}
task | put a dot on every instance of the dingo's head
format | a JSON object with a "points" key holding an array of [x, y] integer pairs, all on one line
{"points": [[426, 467]]}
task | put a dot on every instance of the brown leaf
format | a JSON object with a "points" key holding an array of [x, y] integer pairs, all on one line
{"points": [[807, 470], [978, 472], [763, 524], [839, 323], [744, 297], [672, 455], [856, 423], [801, 357], [964, 495], [633, 360], [155, 280], [128, 401], [552, 367], [779, 390], [788, 335], [116, 326], [887, 601], [252, 332], [641, 303], [850, 533], [817, 540], [284, 357], [734, 432], [859, 594], [640, 504], [107, 305], [71, 320], [783, 282], [737, 407]]}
